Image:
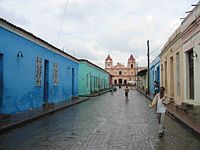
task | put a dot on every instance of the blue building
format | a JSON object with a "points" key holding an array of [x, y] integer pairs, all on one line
{"points": [[33, 73], [154, 74]]}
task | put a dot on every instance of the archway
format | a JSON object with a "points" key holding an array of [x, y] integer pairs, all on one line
{"points": [[115, 82], [125, 82], [120, 81]]}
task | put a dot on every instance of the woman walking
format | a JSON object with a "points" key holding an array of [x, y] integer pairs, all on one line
{"points": [[160, 101], [126, 93]]}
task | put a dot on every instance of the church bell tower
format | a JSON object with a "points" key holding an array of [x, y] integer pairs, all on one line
{"points": [[108, 62]]}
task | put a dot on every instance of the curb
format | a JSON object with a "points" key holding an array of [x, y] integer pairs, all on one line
{"points": [[37, 116], [178, 119], [96, 94], [181, 121], [144, 94]]}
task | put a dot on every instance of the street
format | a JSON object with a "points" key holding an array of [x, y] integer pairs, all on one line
{"points": [[105, 122]]}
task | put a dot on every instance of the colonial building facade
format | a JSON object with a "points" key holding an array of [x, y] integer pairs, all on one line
{"points": [[190, 29], [171, 59], [121, 75], [33, 73]]}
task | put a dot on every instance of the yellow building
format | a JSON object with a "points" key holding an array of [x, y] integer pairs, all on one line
{"points": [[190, 28], [171, 60], [121, 75]]}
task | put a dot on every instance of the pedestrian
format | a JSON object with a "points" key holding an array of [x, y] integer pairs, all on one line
{"points": [[126, 92], [160, 101], [111, 90], [156, 87]]}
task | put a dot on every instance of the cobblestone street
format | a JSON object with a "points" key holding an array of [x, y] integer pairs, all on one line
{"points": [[106, 122]]}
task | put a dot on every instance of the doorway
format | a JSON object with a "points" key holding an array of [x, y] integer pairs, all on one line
{"points": [[125, 82], [72, 81], [1, 80], [115, 82], [120, 81], [171, 77], [46, 81]]}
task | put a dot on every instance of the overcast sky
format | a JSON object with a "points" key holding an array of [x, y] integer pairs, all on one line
{"points": [[92, 29]]}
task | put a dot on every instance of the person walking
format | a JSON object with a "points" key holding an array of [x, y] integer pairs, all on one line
{"points": [[111, 90], [126, 93], [160, 101]]}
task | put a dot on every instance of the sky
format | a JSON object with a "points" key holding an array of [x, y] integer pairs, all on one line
{"points": [[92, 29]]}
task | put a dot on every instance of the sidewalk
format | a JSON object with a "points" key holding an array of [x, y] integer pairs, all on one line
{"points": [[181, 116], [28, 116]]}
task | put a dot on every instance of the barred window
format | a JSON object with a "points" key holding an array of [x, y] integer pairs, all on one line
{"points": [[38, 71], [55, 74]]}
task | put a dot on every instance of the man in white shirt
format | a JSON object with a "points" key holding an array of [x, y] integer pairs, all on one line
{"points": [[160, 100]]}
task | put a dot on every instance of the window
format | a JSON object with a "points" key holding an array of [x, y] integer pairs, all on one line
{"points": [[178, 74], [120, 72], [55, 74], [171, 77], [131, 65], [162, 73], [165, 76], [190, 71], [87, 80], [38, 71]]}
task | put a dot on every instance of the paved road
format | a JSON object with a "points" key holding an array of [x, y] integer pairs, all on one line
{"points": [[106, 122]]}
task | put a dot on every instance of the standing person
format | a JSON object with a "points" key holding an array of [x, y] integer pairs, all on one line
{"points": [[156, 87], [111, 90], [126, 92], [160, 101]]}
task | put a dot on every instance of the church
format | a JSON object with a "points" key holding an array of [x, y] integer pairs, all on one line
{"points": [[122, 75]]}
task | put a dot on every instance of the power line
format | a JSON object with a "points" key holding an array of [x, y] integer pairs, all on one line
{"points": [[62, 21], [157, 49]]}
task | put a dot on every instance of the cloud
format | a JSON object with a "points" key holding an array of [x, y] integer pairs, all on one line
{"points": [[11, 15], [92, 28]]}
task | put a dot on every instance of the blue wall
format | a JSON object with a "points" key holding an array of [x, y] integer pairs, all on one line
{"points": [[19, 74], [154, 73]]}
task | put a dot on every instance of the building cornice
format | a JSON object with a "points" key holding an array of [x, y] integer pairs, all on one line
{"points": [[191, 30], [170, 43], [90, 63]]}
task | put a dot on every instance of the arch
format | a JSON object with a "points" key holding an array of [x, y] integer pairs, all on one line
{"points": [[120, 81], [115, 81], [131, 65], [125, 81]]}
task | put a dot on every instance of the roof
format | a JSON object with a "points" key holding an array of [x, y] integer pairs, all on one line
{"points": [[119, 65], [109, 58], [131, 57], [142, 72], [36, 39], [84, 60]]}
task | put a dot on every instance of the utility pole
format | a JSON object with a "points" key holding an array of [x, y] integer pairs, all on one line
{"points": [[148, 63]]}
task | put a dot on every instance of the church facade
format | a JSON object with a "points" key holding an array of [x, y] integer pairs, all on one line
{"points": [[122, 75]]}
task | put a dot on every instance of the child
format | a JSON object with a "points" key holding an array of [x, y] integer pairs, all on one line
{"points": [[126, 92], [160, 100]]}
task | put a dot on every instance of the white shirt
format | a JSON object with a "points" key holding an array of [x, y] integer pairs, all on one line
{"points": [[160, 106]]}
